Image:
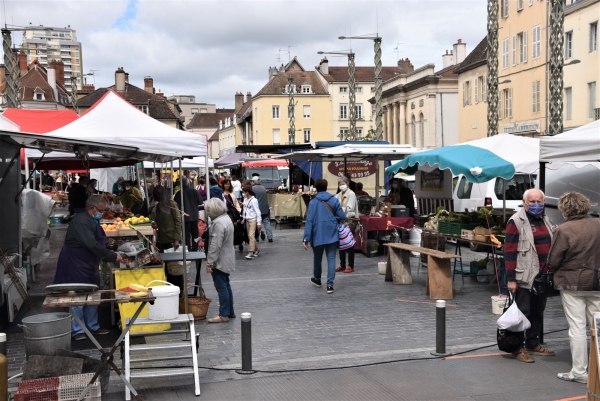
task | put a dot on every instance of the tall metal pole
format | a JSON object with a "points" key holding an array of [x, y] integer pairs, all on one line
{"points": [[492, 63], [12, 73], [291, 112], [557, 19], [378, 90], [184, 237], [352, 99]]}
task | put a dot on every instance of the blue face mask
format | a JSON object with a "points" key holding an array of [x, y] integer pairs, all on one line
{"points": [[536, 209], [394, 186], [97, 216]]}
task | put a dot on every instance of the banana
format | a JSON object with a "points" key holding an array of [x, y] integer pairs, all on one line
{"points": [[138, 294], [138, 287]]}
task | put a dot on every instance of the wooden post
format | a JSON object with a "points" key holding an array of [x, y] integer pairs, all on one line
{"points": [[593, 386]]}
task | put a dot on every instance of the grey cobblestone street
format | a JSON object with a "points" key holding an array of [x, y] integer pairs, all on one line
{"points": [[367, 320]]}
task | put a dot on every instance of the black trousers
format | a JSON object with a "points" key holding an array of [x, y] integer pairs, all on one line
{"points": [[350, 253], [191, 233], [533, 308]]}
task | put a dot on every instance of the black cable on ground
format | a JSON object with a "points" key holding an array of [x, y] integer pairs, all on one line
{"points": [[430, 358]]}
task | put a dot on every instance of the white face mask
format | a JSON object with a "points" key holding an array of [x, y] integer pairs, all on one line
{"points": [[343, 188]]}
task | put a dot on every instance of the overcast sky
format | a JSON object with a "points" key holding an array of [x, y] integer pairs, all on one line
{"points": [[211, 49]]}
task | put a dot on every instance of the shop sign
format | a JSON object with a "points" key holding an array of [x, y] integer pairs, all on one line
{"points": [[525, 126], [360, 169]]}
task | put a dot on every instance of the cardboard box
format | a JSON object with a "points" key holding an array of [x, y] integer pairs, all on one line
{"points": [[481, 238], [480, 231], [466, 234]]}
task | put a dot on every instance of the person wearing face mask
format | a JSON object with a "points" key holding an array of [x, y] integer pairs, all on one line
{"points": [[131, 197], [393, 196], [347, 199], [526, 249], [84, 248]]}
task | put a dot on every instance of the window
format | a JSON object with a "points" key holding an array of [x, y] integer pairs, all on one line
{"points": [[504, 8], [306, 135], [305, 88], [592, 93], [194, 111], [359, 111], [358, 89], [476, 90], [343, 133], [536, 50], [483, 88], [203, 110], [343, 111], [593, 37], [569, 44], [522, 39], [507, 105], [514, 50], [519, 5], [306, 111], [569, 103], [275, 112], [466, 93], [39, 96], [276, 136], [421, 103], [530, 3], [372, 89], [535, 97], [515, 188], [414, 130], [464, 188], [505, 53], [359, 133], [412, 105], [143, 108], [343, 89]]}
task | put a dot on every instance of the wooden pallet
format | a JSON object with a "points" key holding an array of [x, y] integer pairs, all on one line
{"points": [[91, 298]]}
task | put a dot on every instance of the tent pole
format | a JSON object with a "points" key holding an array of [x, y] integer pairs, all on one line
{"points": [[185, 297], [172, 179], [146, 189], [28, 186], [503, 201], [377, 180], [309, 174]]}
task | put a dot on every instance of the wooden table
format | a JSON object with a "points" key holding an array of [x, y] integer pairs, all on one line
{"points": [[95, 298], [439, 272]]}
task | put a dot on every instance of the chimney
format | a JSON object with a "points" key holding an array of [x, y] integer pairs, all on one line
{"points": [[248, 96], [22, 63], [2, 74], [52, 82], [149, 85], [405, 65], [159, 93], [127, 77], [447, 59], [59, 68], [120, 80], [324, 66], [460, 51], [239, 100]]}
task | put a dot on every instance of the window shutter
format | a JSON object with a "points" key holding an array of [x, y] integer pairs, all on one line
{"points": [[533, 97], [500, 105], [484, 88], [476, 90], [464, 93], [509, 111], [524, 46], [469, 86], [514, 50]]}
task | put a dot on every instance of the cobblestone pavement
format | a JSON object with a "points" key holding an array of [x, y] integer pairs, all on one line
{"points": [[298, 326]]}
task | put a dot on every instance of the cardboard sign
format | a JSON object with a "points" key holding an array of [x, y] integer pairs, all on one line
{"points": [[360, 169]]}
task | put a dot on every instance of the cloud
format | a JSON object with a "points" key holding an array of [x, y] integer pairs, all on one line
{"points": [[212, 49]]}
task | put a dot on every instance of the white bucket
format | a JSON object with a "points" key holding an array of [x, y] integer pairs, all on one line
{"points": [[382, 266], [166, 305], [414, 239], [498, 304]]}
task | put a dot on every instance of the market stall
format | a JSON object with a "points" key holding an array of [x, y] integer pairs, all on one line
{"points": [[286, 205]]}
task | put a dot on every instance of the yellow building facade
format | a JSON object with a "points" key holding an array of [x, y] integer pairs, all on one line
{"points": [[580, 93], [312, 111]]}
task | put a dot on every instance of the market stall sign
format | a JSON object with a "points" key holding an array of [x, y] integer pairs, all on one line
{"points": [[363, 168]]}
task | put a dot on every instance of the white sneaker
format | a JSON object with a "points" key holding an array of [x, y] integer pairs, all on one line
{"points": [[250, 256], [570, 378]]}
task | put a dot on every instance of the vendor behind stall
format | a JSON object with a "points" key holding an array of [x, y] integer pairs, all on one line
{"points": [[131, 197], [85, 247], [78, 196], [167, 221], [400, 194]]}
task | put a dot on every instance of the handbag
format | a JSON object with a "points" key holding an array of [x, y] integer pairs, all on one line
{"points": [[543, 285], [508, 341], [345, 236]]}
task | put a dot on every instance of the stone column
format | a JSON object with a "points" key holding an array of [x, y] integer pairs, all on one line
{"points": [[390, 126], [385, 126], [402, 130], [430, 129], [395, 122]]}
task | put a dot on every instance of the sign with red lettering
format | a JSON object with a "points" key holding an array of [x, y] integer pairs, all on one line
{"points": [[360, 169]]}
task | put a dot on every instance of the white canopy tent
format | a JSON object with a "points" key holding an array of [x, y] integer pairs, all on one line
{"points": [[113, 120], [353, 151], [579, 145]]}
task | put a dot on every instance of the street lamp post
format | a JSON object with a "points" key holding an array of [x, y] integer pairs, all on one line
{"points": [[378, 83], [557, 18], [351, 135]]}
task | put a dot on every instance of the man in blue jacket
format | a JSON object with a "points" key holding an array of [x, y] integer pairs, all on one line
{"points": [[321, 231]]}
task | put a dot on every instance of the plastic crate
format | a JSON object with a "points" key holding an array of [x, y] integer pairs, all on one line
{"points": [[70, 387], [451, 228], [45, 389]]}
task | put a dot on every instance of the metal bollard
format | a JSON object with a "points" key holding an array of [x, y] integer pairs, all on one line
{"points": [[246, 344], [440, 329]]}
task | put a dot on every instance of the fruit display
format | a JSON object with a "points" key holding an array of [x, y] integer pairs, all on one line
{"points": [[137, 220], [135, 290]]}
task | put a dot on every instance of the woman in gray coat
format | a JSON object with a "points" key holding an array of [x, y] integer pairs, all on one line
{"points": [[220, 258]]}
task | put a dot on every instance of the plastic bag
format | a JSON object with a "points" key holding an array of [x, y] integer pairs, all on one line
{"points": [[127, 247], [513, 319]]}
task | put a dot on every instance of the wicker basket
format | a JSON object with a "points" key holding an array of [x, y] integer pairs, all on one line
{"points": [[197, 306]]}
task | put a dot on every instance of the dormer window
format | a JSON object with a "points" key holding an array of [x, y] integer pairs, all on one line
{"points": [[143, 108], [306, 89], [39, 96]]}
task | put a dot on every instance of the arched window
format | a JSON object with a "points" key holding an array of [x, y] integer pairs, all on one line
{"points": [[422, 129], [414, 130]]}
